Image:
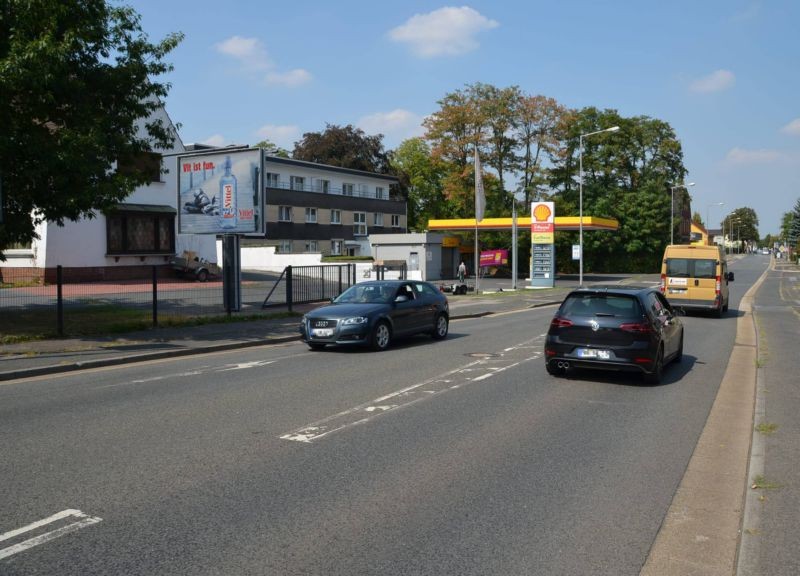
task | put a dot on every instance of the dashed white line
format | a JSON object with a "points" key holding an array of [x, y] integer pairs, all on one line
{"points": [[81, 521]]}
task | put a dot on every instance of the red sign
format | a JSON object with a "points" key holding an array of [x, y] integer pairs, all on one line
{"points": [[493, 258]]}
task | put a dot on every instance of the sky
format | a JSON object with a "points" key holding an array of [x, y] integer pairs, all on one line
{"points": [[725, 74]]}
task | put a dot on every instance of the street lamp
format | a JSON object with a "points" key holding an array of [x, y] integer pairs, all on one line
{"points": [[708, 218], [672, 210], [580, 197]]}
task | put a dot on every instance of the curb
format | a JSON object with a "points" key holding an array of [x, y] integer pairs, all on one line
{"points": [[148, 356]]}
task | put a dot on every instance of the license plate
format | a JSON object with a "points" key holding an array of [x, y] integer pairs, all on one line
{"points": [[322, 332], [592, 353], [678, 282], [677, 291]]}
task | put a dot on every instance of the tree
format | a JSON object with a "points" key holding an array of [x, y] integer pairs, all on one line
{"points": [[423, 176], [272, 149], [538, 120], [742, 225], [78, 92], [343, 146], [698, 219]]}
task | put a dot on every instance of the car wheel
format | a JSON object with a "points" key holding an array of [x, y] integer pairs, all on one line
{"points": [[316, 346], [381, 336], [202, 275], [442, 325], [654, 377], [679, 355], [719, 311], [725, 307]]}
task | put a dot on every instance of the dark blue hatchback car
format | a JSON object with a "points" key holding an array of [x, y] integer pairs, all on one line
{"points": [[619, 328], [374, 313]]}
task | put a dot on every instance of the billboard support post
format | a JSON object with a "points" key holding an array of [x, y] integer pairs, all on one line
{"points": [[231, 274]]}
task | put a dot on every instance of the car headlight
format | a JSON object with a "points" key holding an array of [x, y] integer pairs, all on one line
{"points": [[355, 320]]}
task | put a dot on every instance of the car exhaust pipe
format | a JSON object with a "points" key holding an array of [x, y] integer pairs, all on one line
{"points": [[563, 365]]}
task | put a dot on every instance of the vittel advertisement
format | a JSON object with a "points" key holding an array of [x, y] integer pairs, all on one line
{"points": [[219, 193]]}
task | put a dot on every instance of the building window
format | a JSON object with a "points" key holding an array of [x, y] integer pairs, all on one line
{"points": [[380, 193], [272, 180], [377, 219], [395, 221], [336, 216], [323, 186], [285, 246], [311, 215], [147, 163], [284, 213], [312, 246], [336, 247], [297, 182], [140, 233], [347, 189], [359, 223]]}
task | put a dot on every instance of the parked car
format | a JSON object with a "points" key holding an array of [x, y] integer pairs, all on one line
{"points": [[696, 278], [619, 328], [374, 313]]}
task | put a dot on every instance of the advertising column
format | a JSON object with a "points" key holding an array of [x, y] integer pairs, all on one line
{"points": [[543, 252]]}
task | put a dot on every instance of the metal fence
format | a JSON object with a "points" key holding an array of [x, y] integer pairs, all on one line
{"points": [[73, 306], [304, 284]]}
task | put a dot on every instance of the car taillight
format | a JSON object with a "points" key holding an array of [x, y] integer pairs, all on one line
{"points": [[560, 323], [718, 287], [663, 286], [638, 327]]}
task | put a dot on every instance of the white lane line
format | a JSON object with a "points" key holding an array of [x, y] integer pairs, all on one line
{"points": [[450, 380], [82, 521], [246, 365]]}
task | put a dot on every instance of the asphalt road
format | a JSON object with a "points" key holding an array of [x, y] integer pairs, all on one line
{"points": [[454, 457]]}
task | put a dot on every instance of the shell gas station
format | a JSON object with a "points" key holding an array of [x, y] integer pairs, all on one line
{"points": [[543, 224]]}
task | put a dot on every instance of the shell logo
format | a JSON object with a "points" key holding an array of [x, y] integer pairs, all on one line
{"points": [[541, 213]]}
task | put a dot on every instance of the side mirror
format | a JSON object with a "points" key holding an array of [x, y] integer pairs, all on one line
{"points": [[730, 277]]}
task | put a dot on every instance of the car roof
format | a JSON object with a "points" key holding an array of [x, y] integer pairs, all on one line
{"points": [[629, 290]]}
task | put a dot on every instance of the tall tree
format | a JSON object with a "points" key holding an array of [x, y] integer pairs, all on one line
{"points": [[742, 225], [344, 146], [422, 174], [538, 120], [78, 80], [272, 149]]}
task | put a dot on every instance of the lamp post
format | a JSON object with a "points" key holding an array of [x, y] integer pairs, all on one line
{"points": [[580, 197], [708, 219], [672, 209]]}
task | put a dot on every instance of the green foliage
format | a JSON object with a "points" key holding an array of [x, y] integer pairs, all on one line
{"points": [[78, 92], [422, 175], [741, 225], [343, 146], [272, 149]]}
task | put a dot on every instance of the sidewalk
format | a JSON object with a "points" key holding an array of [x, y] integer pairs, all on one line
{"points": [[63, 355]]}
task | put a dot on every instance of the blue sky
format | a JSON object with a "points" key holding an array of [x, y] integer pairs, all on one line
{"points": [[724, 74]]}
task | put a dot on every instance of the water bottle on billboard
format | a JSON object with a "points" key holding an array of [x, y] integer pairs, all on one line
{"points": [[228, 213]]}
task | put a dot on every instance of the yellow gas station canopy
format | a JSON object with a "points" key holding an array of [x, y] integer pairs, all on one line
{"points": [[561, 223]]}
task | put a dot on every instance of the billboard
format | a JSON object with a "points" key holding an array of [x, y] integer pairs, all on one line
{"points": [[219, 192], [493, 258], [543, 218]]}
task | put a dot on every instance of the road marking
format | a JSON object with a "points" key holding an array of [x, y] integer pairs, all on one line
{"points": [[82, 521], [246, 365], [451, 380]]}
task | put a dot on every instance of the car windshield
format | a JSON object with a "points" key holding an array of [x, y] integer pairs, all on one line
{"points": [[366, 293], [601, 305], [691, 268]]}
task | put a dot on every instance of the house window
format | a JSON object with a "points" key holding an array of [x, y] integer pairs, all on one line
{"points": [[272, 180], [323, 186], [380, 193], [284, 213], [297, 182], [312, 246], [336, 216], [336, 247], [359, 223], [347, 189], [147, 163], [285, 246], [395, 221], [377, 219], [362, 190], [311, 215], [134, 232]]}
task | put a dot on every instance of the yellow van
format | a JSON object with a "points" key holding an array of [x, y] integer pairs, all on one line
{"points": [[696, 278]]}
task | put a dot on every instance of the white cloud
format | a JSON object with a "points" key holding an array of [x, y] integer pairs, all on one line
{"points": [[792, 127], [282, 136], [397, 125], [250, 52], [714, 82], [742, 156], [292, 78], [447, 31], [215, 140]]}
